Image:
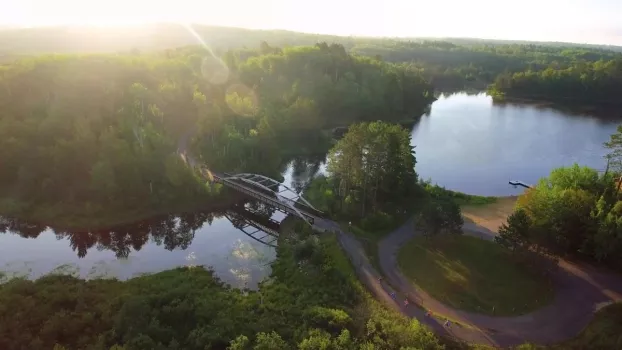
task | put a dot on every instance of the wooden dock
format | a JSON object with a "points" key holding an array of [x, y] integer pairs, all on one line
{"points": [[519, 183]]}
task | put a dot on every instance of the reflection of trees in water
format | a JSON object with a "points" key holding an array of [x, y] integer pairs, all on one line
{"points": [[25, 229], [171, 231], [602, 115], [304, 169]]}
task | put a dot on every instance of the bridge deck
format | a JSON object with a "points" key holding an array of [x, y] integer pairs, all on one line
{"points": [[281, 203]]}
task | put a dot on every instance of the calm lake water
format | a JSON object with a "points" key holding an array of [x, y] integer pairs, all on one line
{"points": [[465, 143], [208, 239], [470, 145], [236, 258]]}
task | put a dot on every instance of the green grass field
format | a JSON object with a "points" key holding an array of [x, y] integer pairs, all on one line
{"points": [[474, 275]]}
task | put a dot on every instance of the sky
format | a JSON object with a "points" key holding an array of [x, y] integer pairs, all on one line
{"points": [[583, 21]]}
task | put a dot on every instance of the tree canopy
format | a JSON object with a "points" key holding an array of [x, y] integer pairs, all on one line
{"points": [[596, 83], [311, 301], [372, 169], [574, 211], [450, 63], [96, 135]]}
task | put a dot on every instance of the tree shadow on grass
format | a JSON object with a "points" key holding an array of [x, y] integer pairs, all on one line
{"points": [[465, 276]]}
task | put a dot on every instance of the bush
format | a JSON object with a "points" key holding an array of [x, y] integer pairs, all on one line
{"points": [[313, 298], [377, 221]]}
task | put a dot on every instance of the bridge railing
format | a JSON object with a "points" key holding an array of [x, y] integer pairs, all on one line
{"points": [[298, 204], [275, 201]]}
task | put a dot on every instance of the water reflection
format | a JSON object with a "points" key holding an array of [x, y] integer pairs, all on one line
{"points": [[203, 238], [230, 240], [467, 143], [170, 231], [301, 170], [470, 144], [602, 115]]}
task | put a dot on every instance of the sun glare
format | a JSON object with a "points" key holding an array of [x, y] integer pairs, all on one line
{"points": [[399, 18]]}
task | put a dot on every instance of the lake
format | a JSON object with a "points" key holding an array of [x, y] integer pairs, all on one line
{"points": [[465, 143]]}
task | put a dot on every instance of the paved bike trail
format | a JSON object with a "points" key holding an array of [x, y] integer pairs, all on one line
{"points": [[580, 291]]}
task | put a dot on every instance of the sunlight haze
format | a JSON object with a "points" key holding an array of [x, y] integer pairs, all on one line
{"points": [[595, 21]]}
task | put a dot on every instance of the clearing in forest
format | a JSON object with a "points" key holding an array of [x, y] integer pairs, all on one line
{"points": [[474, 275], [491, 215]]}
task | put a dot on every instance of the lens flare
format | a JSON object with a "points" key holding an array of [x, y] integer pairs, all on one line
{"points": [[212, 67]]}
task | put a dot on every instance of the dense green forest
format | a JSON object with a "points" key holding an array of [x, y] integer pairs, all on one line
{"points": [[155, 37], [596, 83], [372, 182], [450, 63], [86, 136], [575, 211], [311, 301]]}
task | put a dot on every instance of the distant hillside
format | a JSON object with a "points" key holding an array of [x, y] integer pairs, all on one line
{"points": [[474, 41], [147, 37], [449, 63], [26, 41]]}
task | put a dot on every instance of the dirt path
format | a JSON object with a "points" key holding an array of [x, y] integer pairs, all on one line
{"points": [[369, 276], [580, 291], [489, 216]]}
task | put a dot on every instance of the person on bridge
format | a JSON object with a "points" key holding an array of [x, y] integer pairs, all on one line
{"points": [[405, 302]]}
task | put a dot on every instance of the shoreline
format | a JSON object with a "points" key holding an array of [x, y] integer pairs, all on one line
{"points": [[65, 224], [604, 110], [221, 201]]}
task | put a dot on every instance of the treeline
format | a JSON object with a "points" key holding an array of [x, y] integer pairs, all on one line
{"points": [[460, 64], [148, 37], [597, 82], [311, 301], [451, 63], [371, 180], [96, 135], [575, 211], [371, 176]]}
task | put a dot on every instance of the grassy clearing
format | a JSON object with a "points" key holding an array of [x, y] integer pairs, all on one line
{"points": [[377, 314], [374, 315], [491, 215], [472, 274]]}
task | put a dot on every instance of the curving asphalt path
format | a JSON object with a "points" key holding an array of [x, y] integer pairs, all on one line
{"points": [[581, 290]]}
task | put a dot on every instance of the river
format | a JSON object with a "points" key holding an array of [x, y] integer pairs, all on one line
{"points": [[465, 143]]}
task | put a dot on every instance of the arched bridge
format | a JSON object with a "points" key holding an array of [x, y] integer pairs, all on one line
{"points": [[261, 188], [269, 191]]}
